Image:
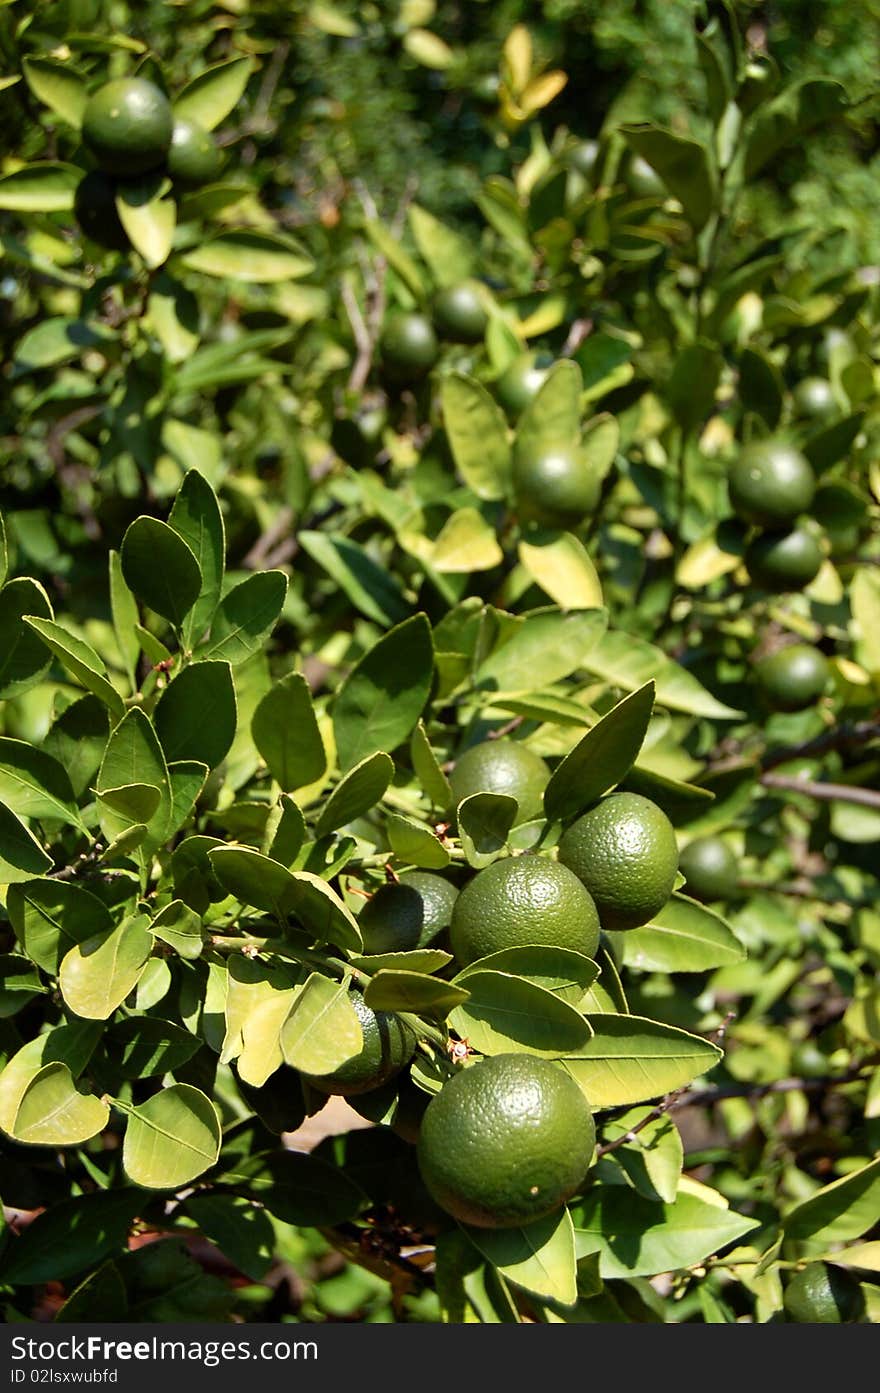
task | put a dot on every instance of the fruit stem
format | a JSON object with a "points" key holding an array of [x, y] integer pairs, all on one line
{"points": [[422, 1029]]}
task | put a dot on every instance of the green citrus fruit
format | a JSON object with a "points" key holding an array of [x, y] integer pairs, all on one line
{"points": [[409, 346], [624, 851], [502, 766], [407, 914], [710, 869], [387, 1048], [643, 180], [814, 398], [520, 382], [460, 313], [193, 159], [127, 126], [95, 207], [770, 483], [793, 678], [781, 561], [506, 1141], [583, 157], [823, 1294], [522, 900], [554, 487]]}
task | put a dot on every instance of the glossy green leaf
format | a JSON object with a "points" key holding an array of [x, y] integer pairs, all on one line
{"points": [[98, 973], [478, 436], [465, 543], [601, 758], [356, 793], [52, 916], [415, 844], [134, 756], [652, 1156], [149, 219], [384, 694], [629, 1059], [630, 662], [323, 1030], [426, 765], [371, 588], [321, 911], [210, 97], [484, 824], [134, 803], [553, 416], [252, 256], [33, 784], [636, 1237], [246, 616], [540, 1257], [23, 656], [254, 879], [80, 660], [41, 187], [682, 163], [59, 86], [180, 927], [285, 731], [396, 989], [196, 517], [550, 645], [21, 856], [683, 937], [143, 1046], [285, 831], [171, 1138], [196, 714], [126, 618], [425, 960], [160, 569], [839, 1212], [507, 1013], [447, 254], [569, 975]]}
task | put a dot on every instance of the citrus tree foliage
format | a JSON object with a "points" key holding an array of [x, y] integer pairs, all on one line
{"points": [[291, 524]]}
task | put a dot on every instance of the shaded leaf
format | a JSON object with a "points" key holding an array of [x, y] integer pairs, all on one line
{"points": [[601, 758]]}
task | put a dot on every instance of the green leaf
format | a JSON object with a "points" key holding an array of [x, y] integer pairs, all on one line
{"points": [[652, 1156], [303, 1190], [19, 984], [397, 257], [246, 616], [683, 937], [33, 784], [74, 1234], [52, 916], [426, 765], [196, 517], [384, 694], [57, 340], [23, 658], [261, 1053], [561, 565], [21, 856], [180, 927], [601, 758], [253, 878], [553, 416], [41, 187], [134, 756], [187, 779], [838, 1213], [636, 1237], [134, 803], [630, 662], [143, 1046], [286, 831], [53, 1112], [683, 165], [447, 254], [691, 389], [484, 823], [547, 647], [794, 113], [58, 87], [323, 1030], [357, 792], [98, 974], [371, 588], [761, 386], [196, 714], [465, 543], [569, 975], [126, 617], [396, 989], [415, 844], [77, 739], [428, 49], [242, 1232], [507, 1013], [832, 443], [171, 1138], [210, 97], [630, 1059], [149, 219], [478, 436], [540, 1257], [80, 660], [251, 256], [285, 731], [321, 911], [160, 569]]}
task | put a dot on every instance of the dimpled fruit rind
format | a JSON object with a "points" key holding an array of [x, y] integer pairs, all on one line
{"points": [[407, 914], [127, 126], [506, 1141], [502, 766], [387, 1048], [823, 1294], [771, 483], [193, 158], [624, 851], [523, 900]]}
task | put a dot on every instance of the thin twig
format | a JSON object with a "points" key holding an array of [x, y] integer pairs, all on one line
{"points": [[257, 558], [842, 793]]}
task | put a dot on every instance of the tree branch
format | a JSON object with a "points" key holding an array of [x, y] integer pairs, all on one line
{"points": [[824, 792]]}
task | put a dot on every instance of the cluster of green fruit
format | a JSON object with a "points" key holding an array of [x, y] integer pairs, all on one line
{"points": [[509, 1139], [130, 130], [410, 343], [771, 486]]}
